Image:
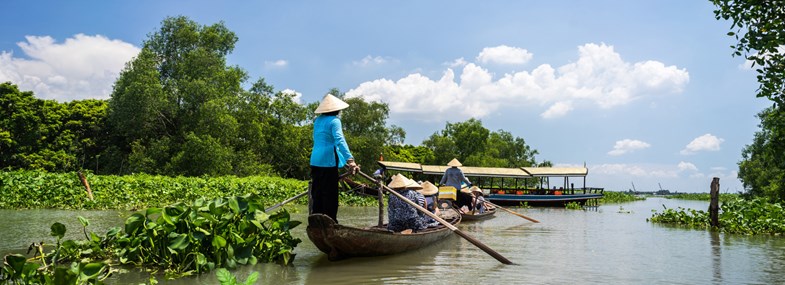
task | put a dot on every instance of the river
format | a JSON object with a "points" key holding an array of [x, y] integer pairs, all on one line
{"points": [[610, 244]]}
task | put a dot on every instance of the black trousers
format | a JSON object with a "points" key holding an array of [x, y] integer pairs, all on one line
{"points": [[465, 199], [324, 191]]}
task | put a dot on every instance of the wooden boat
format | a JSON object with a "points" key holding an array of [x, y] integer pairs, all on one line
{"points": [[467, 217], [340, 241]]}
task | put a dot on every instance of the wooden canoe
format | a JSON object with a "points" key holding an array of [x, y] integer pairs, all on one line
{"points": [[341, 242], [466, 217]]}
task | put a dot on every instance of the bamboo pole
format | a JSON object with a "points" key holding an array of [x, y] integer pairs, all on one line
{"points": [[86, 185]]}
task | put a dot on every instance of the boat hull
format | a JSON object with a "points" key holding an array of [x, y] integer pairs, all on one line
{"points": [[341, 242], [477, 217], [514, 199]]}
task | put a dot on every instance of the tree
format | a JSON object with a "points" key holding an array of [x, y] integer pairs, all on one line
{"points": [[474, 145], [178, 91], [762, 168], [759, 28], [47, 135]]}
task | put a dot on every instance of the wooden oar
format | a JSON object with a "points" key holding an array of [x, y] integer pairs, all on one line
{"points": [[286, 201], [512, 212], [273, 207], [454, 229]]}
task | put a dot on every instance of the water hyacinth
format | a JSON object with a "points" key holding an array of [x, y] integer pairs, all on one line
{"points": [[737, 216], [181, 239]]}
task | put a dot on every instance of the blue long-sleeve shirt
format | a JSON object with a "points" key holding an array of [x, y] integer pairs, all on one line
{"points": [[453, 176], [328, 140]]}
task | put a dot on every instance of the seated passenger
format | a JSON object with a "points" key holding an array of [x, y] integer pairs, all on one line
{"points": [[429, 192], [478, 200], [401, 215]]}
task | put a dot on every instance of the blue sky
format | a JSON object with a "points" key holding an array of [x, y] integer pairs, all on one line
{"points": [[642, 92]]}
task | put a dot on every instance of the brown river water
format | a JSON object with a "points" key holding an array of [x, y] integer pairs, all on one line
{"points": [[609, 244]]}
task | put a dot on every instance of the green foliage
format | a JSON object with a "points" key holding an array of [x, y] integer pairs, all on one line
{"points": [[762, 168], [618, 197], [41, 190], [702, 196], [475, 145], [756, 216], [47, 135], [208, 234], [759, 30], [573, 206], [32, 189], [227, 278], [182, 239]]}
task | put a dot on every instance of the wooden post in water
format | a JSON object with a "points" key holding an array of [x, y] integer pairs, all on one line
{"points": [[714, 204], [86, 185]]}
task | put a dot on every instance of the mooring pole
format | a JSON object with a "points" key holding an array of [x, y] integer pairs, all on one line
{"points": [[714, 204]]}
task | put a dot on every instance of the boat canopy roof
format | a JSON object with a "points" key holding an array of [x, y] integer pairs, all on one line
{"points": [[522, 172]]}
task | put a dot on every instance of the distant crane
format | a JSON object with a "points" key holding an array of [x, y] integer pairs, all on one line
{"points": [[633, 187]]}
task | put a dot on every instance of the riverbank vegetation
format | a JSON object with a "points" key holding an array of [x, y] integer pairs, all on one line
{"points": [[180, 239], [610, 197], [738, 216], [702, 196], [39, 190]]}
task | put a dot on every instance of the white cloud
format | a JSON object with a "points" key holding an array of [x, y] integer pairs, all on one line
{"points": [[558, 109], [504, 55], [372, 60], [276, 64], [683, 166], [459, 62], [627, 145], [297, 98], [706, 142], [81, 67], [599, 77]]}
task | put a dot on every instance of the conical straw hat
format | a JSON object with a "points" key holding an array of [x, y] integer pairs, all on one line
{"points": [[454, 162], [413, 184], [329, 104], [466, 190], [475, 189], [398, 182], [428, 188]]}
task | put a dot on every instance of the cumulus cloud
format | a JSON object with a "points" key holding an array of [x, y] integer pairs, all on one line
{"points": [[276, 63], [706, 142], [683, 166], [459, 62], [626, 146], [81, 67], [504, 55], [598, 78], [558, 109]]}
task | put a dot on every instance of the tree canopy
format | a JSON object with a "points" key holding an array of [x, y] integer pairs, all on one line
{"points": [[759, 28]]}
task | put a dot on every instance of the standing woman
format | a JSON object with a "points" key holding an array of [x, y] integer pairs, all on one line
{"points": [[329, 153], [453, 176]]}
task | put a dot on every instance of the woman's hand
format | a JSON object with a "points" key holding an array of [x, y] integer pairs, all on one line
{"points": [[352, 166]]}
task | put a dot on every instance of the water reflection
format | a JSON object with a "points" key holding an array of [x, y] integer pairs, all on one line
{"points": [[716, 254], [601, 246]]}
